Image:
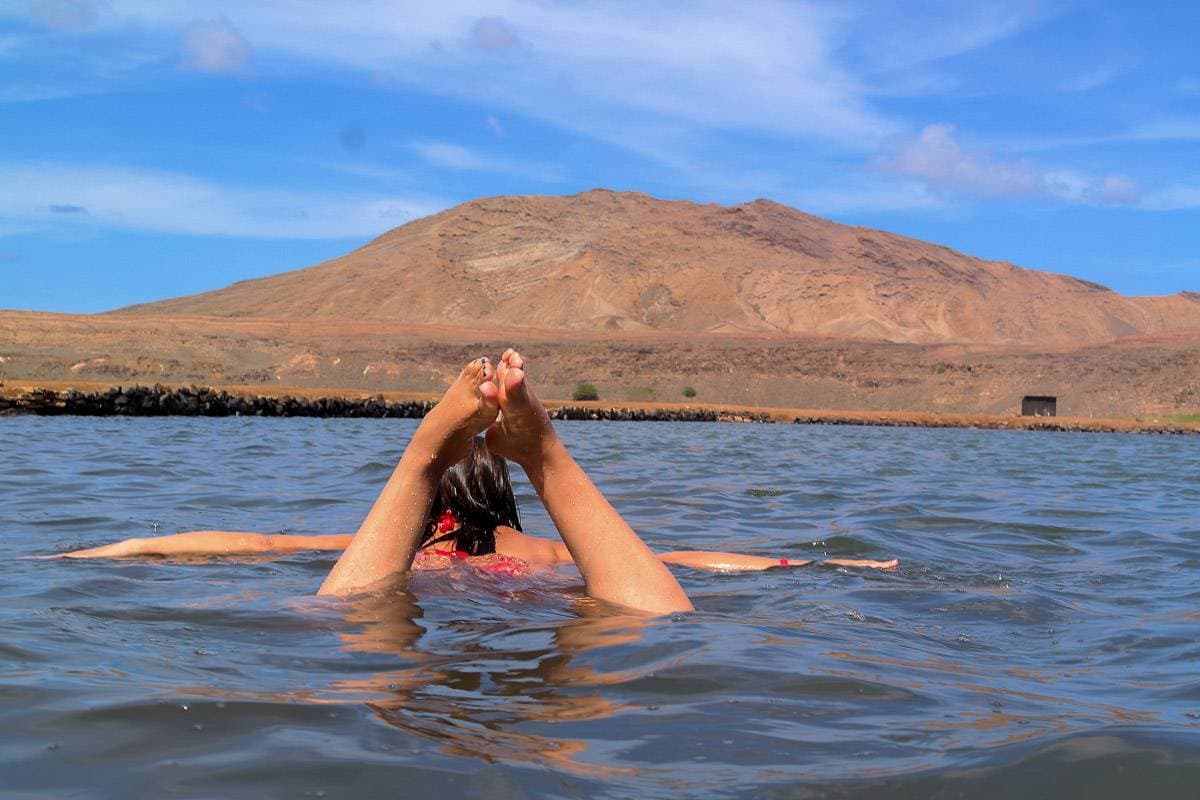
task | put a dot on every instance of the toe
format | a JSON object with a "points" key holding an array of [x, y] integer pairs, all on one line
{"points": [[476, 369], [514, 384]]}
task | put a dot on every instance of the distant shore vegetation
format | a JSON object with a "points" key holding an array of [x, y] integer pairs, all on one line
{"points": [[585, 391]]}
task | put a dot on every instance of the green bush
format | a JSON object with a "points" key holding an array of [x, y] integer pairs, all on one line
{"points": [[585, 391], [689, 392]]}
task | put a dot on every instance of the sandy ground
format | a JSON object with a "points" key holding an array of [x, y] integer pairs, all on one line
{"points": [[1137, 377]]}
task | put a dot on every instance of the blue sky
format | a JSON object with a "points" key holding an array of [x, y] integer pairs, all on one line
{"points": [[151, 148]]}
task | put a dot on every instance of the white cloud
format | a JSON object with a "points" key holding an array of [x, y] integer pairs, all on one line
{"points": [[214, 46], [40, 195], [494, 126], [936, 158]]}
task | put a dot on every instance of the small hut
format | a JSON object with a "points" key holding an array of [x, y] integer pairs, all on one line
{"points": [[1033, 405]]}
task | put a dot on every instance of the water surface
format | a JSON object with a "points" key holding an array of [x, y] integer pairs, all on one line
{"points": [[1039, 640]]}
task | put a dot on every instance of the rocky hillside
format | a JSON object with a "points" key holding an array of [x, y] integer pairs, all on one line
{"points": [[607, 261]]}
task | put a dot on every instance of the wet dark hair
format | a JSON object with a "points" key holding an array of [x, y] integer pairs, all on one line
{"points": [[479, 493]]}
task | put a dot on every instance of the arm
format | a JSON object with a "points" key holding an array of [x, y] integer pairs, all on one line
{"points": [[536, 549], [210, 543], [736, 562], [726, 562]]}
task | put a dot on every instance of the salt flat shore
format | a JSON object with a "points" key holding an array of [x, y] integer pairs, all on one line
{"points": [[97, 399]]}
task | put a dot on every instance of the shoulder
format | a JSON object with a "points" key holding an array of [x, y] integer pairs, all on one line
{"points": [[511, 542]]}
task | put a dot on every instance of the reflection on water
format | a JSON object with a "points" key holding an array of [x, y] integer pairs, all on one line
{"points": [[1041, 632], [474, 700]]}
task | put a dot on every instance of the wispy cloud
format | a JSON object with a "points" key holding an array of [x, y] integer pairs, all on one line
{"points": [[670, 82], [766, 66], [1090, 80], [70, 15], [935, 158], [858, 194], [214, 46], [456, 157], [1180, 196], [132, 199], [894, 36], [493, 33], [444, 154]]}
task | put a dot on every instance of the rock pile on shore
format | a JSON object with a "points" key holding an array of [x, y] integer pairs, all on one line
{"points": [[198, 401]]}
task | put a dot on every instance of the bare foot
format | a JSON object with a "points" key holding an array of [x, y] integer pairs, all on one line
{"points": [[523, 432], [467, 408]]}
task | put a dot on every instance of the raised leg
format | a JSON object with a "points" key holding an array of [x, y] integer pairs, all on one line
{"points": [[616, 565], [387, 540]]}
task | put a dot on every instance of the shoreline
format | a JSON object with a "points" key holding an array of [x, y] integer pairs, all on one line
{"points": [[64, 398]]}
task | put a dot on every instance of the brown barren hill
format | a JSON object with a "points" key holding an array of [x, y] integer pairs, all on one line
{"points": [[624, 261]]}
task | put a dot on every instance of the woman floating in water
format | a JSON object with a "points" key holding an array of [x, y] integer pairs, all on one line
{"points": [[450, 498]]}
